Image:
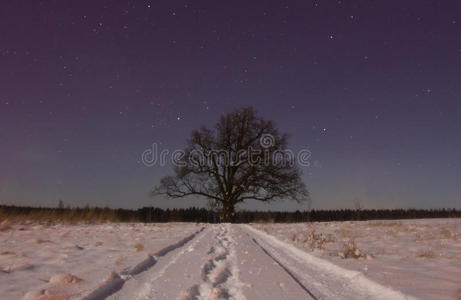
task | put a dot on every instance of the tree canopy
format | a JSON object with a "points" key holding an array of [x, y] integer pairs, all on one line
{"points": [[244, 157]]}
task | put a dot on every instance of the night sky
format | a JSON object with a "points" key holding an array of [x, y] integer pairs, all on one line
{"points": [[371, 88]]}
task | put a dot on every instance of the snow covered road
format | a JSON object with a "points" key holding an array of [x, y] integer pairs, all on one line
{"points": [[239, 262], [229, 261]]}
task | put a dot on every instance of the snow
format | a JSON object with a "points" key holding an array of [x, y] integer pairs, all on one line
{"points": [[324, 278], [417, 257], [203, 269], [33, 256], [385, 260]]}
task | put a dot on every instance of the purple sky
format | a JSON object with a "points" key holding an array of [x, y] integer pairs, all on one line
{"points": [[372, 88]]}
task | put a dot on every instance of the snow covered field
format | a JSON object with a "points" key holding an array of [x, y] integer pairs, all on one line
{"points": [[418, 257], [32, 256], [348, 260]]}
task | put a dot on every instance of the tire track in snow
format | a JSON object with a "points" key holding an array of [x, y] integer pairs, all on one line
{"points": [[286, 270], [146, 289], [172, 274], [324, 279], [116, 281]]}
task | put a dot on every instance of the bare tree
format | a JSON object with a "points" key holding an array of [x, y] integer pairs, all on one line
{"points": [[243, 158]]}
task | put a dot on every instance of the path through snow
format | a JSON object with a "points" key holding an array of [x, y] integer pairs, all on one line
{"points": [[240, 262]]}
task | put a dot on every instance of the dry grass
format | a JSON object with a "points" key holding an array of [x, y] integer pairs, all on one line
{"points": [[5, 225], [427, 254], [419, 236], [311, 239], [53, 216], [344, 234], [139, 247], [264, 221], [317, 241], [41, 241], [385, 224], [447, 234], [119, 260], [350, 250]]}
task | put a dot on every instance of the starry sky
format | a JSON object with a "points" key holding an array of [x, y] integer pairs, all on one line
{"points": [[371, 88]]}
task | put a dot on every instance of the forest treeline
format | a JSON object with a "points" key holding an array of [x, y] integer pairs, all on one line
{"points": [[194, 214]]}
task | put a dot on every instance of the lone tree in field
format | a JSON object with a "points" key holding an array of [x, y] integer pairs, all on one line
{"points": [[244, 157]]}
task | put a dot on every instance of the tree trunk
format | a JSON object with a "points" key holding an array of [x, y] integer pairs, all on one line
{"points": [[228, 213]]}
